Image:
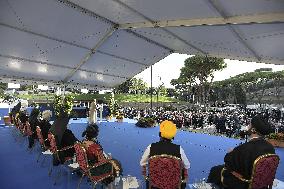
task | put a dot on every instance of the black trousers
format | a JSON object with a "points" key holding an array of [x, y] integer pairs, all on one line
{"points": [[31, 141], [215, 175], [230, 181]]}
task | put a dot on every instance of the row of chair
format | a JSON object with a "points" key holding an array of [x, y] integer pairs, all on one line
{"points": [[24, 130]]}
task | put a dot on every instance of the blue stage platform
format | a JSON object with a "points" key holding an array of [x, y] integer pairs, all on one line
{"points": [[125, 142]]}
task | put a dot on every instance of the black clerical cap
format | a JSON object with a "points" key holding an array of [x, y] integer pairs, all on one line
{"points": [[261, 125]]}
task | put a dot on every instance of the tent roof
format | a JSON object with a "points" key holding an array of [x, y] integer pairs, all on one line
{"points": [[101, 43]]}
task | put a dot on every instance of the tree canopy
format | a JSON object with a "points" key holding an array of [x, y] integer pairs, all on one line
{"points": [[249, 84], [133, 85], [198, 71]]}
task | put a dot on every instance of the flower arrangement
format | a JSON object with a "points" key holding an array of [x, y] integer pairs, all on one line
{"points": [[146, 122], [113, 106], [63, 104], [120, 116], [276, 136], [276, 139]]}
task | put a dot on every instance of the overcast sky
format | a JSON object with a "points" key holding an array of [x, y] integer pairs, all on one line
{"points": [[169, 68]]}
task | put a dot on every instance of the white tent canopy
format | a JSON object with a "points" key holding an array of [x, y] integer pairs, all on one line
{"points": [[101, 43]]}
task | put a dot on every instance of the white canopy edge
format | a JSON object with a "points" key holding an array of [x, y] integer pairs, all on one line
{"points": [[123, 47]]}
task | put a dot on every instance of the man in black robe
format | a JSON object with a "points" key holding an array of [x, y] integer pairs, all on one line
{"points": [[34, 122], [14, 111], [240, 160]]}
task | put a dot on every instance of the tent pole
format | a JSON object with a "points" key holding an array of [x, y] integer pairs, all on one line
{"points": [[151, 89]]}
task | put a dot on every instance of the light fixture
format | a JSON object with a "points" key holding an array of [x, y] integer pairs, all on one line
{"points": [[100, 77], [83, 75], [14, 64], [42, 69]]}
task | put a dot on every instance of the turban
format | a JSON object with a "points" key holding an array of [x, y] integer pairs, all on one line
{"points": [[168, 129]]}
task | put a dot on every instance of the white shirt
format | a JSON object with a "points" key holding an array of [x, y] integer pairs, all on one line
{"points": [[145, 157]]}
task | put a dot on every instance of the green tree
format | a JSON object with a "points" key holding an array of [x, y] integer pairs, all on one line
{"points": [[278, 83], [171, 92], [123, 87], [199, 71], [3, 87], [26, 87], [138, 85], [251, 85], [132, 85]]}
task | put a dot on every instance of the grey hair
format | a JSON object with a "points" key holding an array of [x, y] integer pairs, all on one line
{"points": [[46, 115]]}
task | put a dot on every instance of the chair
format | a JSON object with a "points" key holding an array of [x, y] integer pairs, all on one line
{"points": [[22, 127], [16, 129], [54, 147], [165, 171], [21, 133], [55, 152], [28, 130], [44, 148], [41, 139], [87, 169], [263, 172]]}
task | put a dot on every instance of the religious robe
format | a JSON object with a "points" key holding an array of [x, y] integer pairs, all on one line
{"points": [[240, 160]]}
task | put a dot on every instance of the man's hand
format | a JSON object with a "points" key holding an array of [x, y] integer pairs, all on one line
{"points": [[230, 150], [185, 174]]}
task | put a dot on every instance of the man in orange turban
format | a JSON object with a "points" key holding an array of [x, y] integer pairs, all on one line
{"points": [[165, 146]]}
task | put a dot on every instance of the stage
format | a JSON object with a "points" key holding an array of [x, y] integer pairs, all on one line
{"points": [[125, 142]]}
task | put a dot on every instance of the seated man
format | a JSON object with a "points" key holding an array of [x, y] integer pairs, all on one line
{"points": [[239, 161], [165, 146], [34, 122], [67, 141]]}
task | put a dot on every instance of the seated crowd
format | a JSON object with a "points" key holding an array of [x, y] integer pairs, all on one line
{"points": [[164, 164], [224, 121]]}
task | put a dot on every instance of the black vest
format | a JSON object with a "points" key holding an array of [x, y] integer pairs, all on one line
{"points": [[165, 147]]}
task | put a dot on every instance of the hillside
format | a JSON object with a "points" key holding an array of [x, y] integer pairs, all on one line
{"points": [[103, 97]]}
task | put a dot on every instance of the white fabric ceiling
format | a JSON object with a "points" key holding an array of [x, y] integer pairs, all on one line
{"points": [[101, 43]]}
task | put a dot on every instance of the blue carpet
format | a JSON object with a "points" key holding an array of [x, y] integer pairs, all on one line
{"points": [[125, 142]]}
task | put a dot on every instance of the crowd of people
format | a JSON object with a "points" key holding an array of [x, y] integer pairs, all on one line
{"points": [[238, 162], [228, 122]]}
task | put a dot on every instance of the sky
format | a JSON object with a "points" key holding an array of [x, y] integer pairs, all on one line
{"points": [[169, 68]]}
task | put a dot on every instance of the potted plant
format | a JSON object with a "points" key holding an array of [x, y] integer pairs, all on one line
{"points": [[146, 122], [276, 139], [63, 104], [7, 119], [119, 118]]}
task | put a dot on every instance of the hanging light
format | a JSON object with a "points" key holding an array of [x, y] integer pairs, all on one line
{"points": [[15, 65], [42, 69]]}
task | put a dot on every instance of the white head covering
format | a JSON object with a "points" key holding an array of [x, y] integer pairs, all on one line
{"points": [[46, 115]]}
